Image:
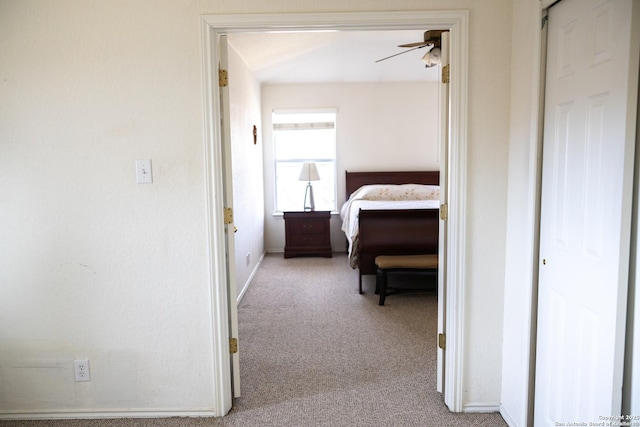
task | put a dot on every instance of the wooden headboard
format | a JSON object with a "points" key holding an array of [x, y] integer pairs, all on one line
{"points": [[355, 180]]}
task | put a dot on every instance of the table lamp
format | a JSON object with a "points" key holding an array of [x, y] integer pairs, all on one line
{"points": [[309, 173]]}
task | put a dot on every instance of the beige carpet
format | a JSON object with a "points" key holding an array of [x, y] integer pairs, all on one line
{"points": [[314, 352]]}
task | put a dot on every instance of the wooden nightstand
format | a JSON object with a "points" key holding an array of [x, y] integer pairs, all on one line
{"points": [[307, 233]]}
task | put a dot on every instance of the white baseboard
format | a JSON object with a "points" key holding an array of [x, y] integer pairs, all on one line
{"points": [[506, 416], [250, 279], [117, 413], [481, 407]]}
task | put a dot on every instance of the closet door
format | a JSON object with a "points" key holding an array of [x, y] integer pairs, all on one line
{"points": [[589, 138]]}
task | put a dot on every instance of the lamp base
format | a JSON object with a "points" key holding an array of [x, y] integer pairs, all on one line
{"points": [[308, 194]]}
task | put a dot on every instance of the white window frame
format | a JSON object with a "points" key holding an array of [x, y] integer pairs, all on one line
{"points": [[303, 124]]}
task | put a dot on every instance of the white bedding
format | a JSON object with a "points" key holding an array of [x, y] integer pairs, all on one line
{"points": [[406, 196]]}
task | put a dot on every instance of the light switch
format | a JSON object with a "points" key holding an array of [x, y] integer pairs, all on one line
{"points": [[143, 172]]}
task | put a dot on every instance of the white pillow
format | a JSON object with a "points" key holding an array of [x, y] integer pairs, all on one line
{"points": [[396, 192]]}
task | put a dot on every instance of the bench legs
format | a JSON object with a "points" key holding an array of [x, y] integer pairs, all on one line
{"points": [[377, 291], [381, 285], [382, 276]]}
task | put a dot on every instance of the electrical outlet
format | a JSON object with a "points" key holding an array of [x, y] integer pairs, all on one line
{"points": [[248, 258], [81, 370]]}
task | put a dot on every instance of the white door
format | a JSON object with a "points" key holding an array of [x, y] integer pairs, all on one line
{"points": [[443, 137], [587, 173], [228, 203]]}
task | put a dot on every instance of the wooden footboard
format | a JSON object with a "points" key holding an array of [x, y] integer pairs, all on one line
{"points": [[396, 232]]}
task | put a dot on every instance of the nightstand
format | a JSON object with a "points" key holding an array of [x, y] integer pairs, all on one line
{"points": [[307, 233]]}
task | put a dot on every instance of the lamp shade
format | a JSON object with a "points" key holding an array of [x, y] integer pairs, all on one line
{"points": [[309, 172]]}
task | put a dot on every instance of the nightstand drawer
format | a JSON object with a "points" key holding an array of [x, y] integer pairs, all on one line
{"points": [[307, 227], [307, 240]]}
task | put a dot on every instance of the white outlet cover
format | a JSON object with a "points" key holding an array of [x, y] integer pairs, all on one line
{"points": [[81, 370]]}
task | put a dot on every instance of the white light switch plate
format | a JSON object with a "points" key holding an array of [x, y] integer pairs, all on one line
{"points": [[143, 172]]}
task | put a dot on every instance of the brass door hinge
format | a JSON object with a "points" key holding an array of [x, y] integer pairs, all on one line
{"points": [[233, 345], [444, 212], [223, 78], [442, 341], [228, 215], [445, 74]]}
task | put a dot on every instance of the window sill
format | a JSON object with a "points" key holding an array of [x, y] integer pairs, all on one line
{"points": [[281, 214]]}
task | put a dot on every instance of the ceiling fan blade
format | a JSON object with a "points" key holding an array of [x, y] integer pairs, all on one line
{"points": [[430, 37], [419, 44], [400, 53]]}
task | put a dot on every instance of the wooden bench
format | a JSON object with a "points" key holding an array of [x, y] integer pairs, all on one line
{"points": [[413, 265]]}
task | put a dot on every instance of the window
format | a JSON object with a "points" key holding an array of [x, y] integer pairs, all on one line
{"points": [[301, 137]]}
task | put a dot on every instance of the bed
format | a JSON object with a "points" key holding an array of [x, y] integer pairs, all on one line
{"points": [[401, 226]]}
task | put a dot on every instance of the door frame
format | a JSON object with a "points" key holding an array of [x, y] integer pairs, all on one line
{"points": [[457, 23]]}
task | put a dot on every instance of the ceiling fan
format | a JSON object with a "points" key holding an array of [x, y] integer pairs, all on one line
{"points": [[431, 39]]}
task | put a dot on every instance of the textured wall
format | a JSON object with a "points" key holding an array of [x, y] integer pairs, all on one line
{"points": [[522, 196], [248, 185], [94, 265]]}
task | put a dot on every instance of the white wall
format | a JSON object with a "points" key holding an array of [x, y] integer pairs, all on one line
{"points": [[487, 159], [248, 191], [521, 251], [390, 126], [94, 265]]}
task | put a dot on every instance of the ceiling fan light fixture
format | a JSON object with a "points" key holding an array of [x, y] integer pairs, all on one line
{"points": [[432, 58]]}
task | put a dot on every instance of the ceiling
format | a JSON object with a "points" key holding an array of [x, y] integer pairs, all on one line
{"points": [[332, 56]]}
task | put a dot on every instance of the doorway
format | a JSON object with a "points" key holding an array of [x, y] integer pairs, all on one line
{"points": [[456, 22]]}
